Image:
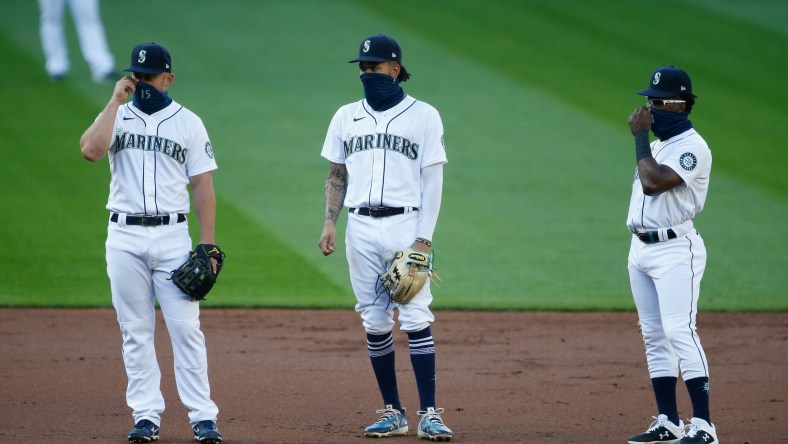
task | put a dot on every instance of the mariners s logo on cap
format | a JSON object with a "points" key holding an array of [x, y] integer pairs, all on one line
{"points": [[150, 58], [668, 81], [378, 48]]}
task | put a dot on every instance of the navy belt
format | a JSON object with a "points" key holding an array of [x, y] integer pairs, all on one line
{"points": [[377, 212], [148, 221], [652, 237]]}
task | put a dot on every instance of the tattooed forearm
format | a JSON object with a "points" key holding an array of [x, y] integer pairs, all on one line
{"points": [[335, 190]]}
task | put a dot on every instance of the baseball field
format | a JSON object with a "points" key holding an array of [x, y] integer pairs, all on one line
{"points": [[531, 242]]}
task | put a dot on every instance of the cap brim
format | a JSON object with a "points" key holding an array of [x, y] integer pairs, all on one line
{"points": [[369, 59], [144, 70], [651, 92]]}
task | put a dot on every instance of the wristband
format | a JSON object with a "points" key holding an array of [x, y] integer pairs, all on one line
{"points": [[642, 147], [421, 240]]}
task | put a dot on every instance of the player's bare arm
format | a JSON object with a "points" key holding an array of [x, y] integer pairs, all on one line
{"points": [[654, 177], [205, 206], [97, 138], [335, 191], [333, 198]]}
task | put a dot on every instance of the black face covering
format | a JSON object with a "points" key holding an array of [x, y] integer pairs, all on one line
{"points": [[381, 91], [666, 124], [149, 99]]}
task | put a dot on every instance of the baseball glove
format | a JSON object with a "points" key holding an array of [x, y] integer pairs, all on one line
{"points": [[399, 283], [196, 277]]}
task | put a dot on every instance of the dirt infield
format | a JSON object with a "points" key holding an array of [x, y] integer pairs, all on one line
{"points": [[294, 376]]}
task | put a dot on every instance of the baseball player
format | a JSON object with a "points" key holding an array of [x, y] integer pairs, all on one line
{"points": [[667, 256], [386, 157], [156, 148], [90, 30]]}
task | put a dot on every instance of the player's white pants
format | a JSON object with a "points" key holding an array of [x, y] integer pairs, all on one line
{"points": [[665, 279], [369, 243], [90, 30], [139, 261]]}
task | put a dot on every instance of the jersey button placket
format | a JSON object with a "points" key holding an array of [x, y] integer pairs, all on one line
{"points": [[378, 168], [149, 178]]}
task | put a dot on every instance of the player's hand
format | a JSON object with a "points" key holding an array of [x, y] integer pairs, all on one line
{"points": [[124, 88], [640, 119], [327, 243], [424, 248]]}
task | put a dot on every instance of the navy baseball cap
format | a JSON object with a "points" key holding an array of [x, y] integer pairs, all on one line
{"points": [[150, 58], [668, 81], [379, 48]]}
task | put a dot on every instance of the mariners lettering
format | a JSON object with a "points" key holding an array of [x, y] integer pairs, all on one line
{"points": [[169, 148], [381, 141]]}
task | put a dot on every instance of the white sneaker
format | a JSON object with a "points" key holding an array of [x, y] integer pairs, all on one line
{"points": [[700, 432], [661, 431]]}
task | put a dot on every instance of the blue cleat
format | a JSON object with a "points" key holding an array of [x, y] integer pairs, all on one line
{"points": [[431, 426], [206, 432], [392, 422], [144, 431]]}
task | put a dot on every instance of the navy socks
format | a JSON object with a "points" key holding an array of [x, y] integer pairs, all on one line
{"points": [[665, 393], [422, 357], [381, 354], [698, 390]]}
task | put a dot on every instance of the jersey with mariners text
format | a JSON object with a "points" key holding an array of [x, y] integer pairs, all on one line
{"points": [[689, 156], [151, 158], [384, 152]]}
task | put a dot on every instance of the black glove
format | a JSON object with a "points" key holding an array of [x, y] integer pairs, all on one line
{"points": [[196, 277]]}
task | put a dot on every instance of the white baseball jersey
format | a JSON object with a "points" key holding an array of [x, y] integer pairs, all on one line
{"points": [[152, 157], [384, 152], [689, 156]]}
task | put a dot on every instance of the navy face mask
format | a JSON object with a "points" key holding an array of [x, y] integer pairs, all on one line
{"points": [[149, 99], [381, 91], [666, 124]]}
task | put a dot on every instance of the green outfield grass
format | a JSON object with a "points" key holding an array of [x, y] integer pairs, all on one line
{"points": [[534, 96]]}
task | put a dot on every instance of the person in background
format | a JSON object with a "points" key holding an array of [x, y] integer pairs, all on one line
{"points": [[91, 35]]}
